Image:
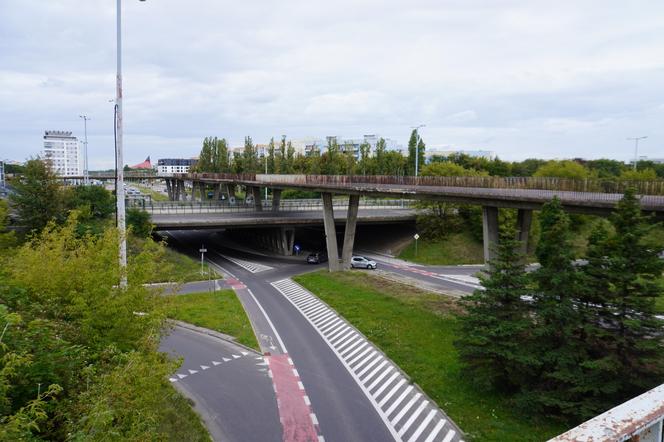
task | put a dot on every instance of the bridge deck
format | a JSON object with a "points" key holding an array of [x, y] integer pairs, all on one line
{"points": [[196, 221]]}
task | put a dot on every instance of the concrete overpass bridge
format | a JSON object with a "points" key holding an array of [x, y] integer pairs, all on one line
{"points": [[591, 196], [597, 197]]}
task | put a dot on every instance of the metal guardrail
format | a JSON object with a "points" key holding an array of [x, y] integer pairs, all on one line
{"points": [[650, 187], [640, 418], [300, 205]]}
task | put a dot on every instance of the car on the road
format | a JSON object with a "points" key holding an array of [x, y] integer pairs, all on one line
{"points": [[317, 257], [360, 262]]}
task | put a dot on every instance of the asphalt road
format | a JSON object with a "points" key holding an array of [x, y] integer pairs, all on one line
{"points": [[229, 385], [353, 392]]}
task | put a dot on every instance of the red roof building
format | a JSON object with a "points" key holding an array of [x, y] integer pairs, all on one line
{"points": [[144, 165]]}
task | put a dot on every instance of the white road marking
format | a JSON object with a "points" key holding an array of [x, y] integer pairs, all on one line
{"points": [[252, 267], [405, 409], [235, 357], [192, 371], [373, 373], [390, 428], [314, 419], [422, 426], [396, 403], [380, 378], [386, 384], [349, 349], [361, 355], [413, 417], [306, 400], [369, 367], [173, 379], [267, 318], [439, 426], [358, 349], [215, 363], [182, 376], [204, 367], [225, 359], [244, 353], [355, 338], [448, 437]]}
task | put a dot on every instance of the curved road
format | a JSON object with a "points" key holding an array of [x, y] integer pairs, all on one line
{"points": [[352, 392]]}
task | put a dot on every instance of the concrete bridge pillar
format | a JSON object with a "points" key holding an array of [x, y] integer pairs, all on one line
{"points": [[524, 218], [169, 189], [349, 233], [217, 191], [258, 205], [330, 233], [489, 231], [203, 190], [230, 188], [276, 199]]}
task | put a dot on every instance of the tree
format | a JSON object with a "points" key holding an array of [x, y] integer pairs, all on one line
{"points": [[639, 175], [249, 156], [273, 164], [381, 166], [139, 222], [495, 331], [38, 197], [557, 302], [411, 152], [364, 163], [288, 164], [7, 238], [625, 274], [98, 200], [562, 169]]}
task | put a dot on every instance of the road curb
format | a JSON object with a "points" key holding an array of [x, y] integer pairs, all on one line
{"points": [[390, 276], [214, 334]]}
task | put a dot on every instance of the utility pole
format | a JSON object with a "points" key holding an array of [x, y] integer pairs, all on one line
{"points": [[417, 146], [86, 177], [119, 174], [636, 148]]}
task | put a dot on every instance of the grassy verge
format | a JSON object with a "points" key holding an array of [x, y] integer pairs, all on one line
{"points": [[456, 248], [156, 196], [178, 419], [220, 311], [171, 265], [416, 329]]}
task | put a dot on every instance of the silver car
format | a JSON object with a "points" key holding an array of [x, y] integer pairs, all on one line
{"points": [[360, 262]]}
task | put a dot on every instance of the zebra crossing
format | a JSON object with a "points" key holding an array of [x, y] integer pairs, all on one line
{"points": [[252, 267], [408, 413]]}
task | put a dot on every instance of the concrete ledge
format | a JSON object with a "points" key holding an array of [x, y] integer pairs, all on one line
{"points": [[214, 334]]}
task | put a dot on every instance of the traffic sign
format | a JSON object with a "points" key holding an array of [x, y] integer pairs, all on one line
{"points": [[416, 236]]}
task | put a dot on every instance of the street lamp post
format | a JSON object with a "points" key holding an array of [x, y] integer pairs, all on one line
{"points": [[86, 177], [636, 148], [417, 146], [119, 193]]}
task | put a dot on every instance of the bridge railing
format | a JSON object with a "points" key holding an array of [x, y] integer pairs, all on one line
{"points": [[640, 418], [649, 187], [188, 207]]}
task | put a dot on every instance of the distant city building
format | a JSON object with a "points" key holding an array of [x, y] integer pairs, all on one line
{"points": [[437, 152], [312, 145], [2, 174], [645, 158], [62, 151], [169, 166]]}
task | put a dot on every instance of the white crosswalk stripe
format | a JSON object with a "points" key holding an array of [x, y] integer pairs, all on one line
{"points": [[414, 417], [252, 267]]}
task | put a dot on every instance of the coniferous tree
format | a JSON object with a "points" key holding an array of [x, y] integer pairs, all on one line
{"points": [[625, 274], [495, 332], [558, 332], [380, 157], [273, 163]]}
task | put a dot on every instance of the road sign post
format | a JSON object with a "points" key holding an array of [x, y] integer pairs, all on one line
{"points": [[202, 250], [416, 236]]}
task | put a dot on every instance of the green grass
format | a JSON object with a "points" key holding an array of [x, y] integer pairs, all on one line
{"points": [[220, 311], [178, 418], [156, 196], [456, 248], [416, 330], [172, 266]]}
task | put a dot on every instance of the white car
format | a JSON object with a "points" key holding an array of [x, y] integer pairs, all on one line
{"points": [[360, 262]]}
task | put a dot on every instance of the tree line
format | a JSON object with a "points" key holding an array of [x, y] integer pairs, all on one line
{"points": [[569, 338]]}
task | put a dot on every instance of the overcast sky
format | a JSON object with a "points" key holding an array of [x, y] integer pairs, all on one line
{"points": [[521, 78]]}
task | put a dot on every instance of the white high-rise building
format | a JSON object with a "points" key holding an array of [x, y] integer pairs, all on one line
{"points": [[62, 150]]}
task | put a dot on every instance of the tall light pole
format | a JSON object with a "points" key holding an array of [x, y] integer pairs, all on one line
{"points": [[119, 193], [636, 148], [86, 177], [417, 146]]}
